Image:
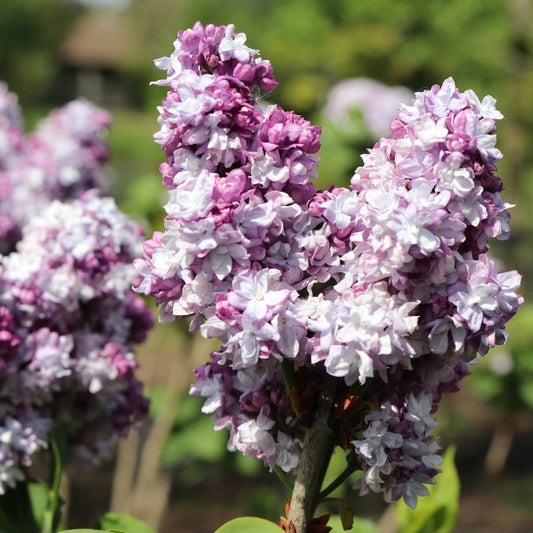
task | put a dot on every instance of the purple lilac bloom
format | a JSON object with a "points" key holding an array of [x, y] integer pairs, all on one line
{"points": [[63, 157], [243, 402], [73, 141], [68, 321], [22, 433], [385, 285], [68, 318]]}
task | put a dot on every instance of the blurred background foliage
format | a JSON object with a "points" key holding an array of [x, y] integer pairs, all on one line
{"points": [[52, 51]]}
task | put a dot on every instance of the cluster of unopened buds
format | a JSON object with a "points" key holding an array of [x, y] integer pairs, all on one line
{"points": [[384, 285], [68, 317]]}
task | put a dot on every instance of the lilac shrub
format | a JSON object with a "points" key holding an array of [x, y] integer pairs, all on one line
{"points": [[68, 316], [385, 286]]}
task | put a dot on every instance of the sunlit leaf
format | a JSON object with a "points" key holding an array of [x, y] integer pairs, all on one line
{"points": [[38, 493], [97, 531], [359, 525], [249, 524], [123, 522]]}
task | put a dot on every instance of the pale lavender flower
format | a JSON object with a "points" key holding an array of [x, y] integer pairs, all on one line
{"points": [[22, 434], [399, 456], [252, 403]]}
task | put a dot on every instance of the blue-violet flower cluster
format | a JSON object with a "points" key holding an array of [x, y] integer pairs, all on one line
{"points": [[68, 317], [385, 285]]}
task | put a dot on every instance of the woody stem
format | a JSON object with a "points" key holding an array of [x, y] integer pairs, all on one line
{"points": [[316, 453]]}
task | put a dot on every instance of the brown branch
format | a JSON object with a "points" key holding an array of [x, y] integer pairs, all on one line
{"points": [[316, 453]]}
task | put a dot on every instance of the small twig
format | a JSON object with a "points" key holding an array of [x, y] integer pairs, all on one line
{"points": [[284, 478], [291, 382], [148, 473], [499, 447], [351, 467]]}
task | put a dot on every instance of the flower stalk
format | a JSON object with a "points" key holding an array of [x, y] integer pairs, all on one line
{"points": [[316, 454], [51, 513]]}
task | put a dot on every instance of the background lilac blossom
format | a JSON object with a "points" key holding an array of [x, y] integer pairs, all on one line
{"points": [[65, 155], [68, 317], [385, 285], [377, 103]]}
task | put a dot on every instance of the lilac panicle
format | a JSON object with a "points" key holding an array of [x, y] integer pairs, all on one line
{"points": [[73, 140], [68, 317], [385, 285], [63, 157], [68, 323]]}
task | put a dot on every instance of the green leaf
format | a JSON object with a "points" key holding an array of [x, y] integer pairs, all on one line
{"points": [[96, 531], [123, 523], [247, 524], [359, 525], [38, 493], [52, 512], [81, 531], [438, 512]]}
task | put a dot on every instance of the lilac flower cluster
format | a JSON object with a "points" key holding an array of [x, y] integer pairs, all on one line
{"points": [[246, 400], [377, 103], [68, 317], [386, 285], [63, 157], [68, 321], [428, 203]]}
